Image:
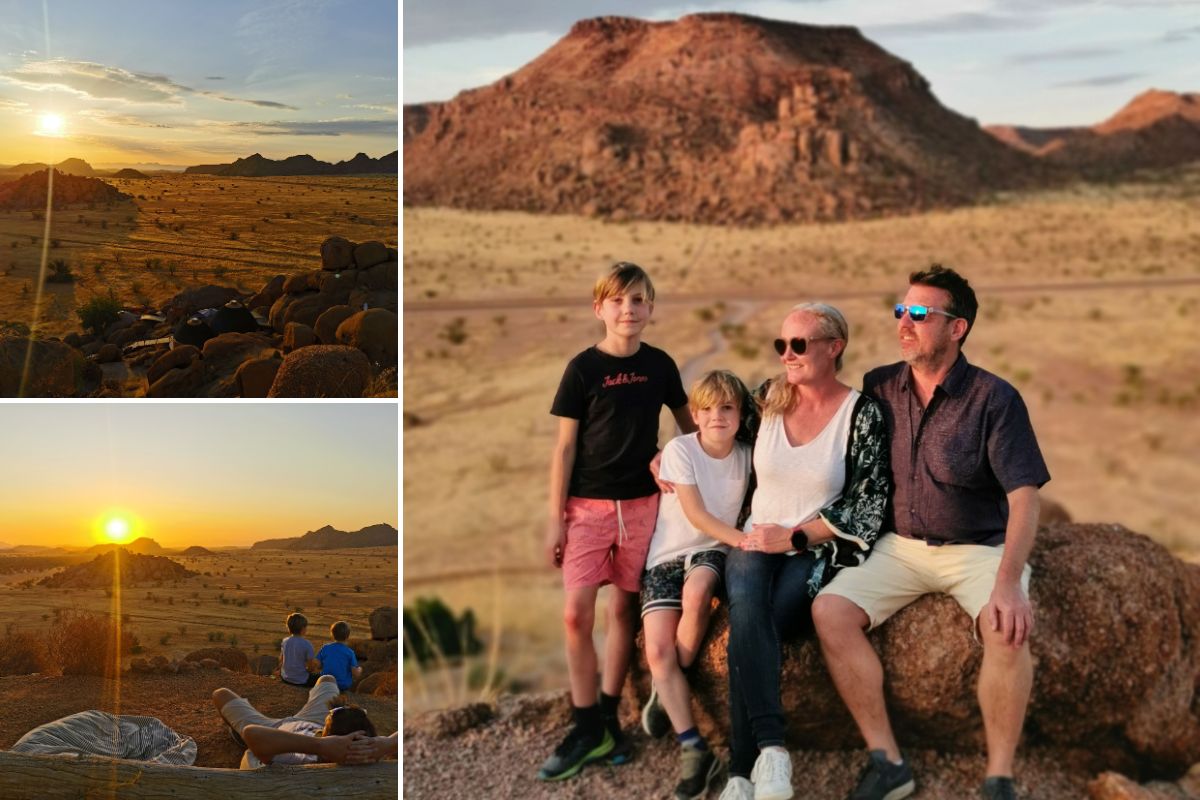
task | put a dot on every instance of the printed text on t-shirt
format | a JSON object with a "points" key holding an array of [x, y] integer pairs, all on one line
{"points": [[622, 378]]}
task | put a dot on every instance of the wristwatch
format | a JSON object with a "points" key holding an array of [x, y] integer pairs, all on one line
{"points": [[799, 540]]}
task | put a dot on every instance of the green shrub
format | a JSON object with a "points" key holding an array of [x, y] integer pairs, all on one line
{"points": [[60, 272], [431, 629], [99, 312]]}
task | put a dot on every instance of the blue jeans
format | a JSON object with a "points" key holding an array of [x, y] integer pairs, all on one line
{"points": [[768, 603]]}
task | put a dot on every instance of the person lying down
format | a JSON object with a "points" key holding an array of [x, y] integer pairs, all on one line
{"points": [[325, 729]]}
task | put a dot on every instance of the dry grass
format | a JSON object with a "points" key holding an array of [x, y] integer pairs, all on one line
{"points": [[1108, 362], [241, 596], [183, 231]]}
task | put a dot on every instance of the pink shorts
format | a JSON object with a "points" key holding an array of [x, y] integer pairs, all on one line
{"points": [[607, 541]]}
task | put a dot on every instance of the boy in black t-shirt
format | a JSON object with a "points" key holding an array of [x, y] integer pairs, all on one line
{"points": [[604, 502]]}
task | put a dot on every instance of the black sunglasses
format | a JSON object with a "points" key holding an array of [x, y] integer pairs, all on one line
{"points": [[798, 345], [919, 313]]}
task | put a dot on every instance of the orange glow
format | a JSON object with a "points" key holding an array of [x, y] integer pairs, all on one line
{"points": [[51, 125], [116, 525]]}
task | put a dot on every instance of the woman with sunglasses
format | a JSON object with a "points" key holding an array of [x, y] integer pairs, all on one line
{"points": [[816, 504]]}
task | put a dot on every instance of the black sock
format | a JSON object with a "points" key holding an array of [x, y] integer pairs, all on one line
{"points": [[588, 718], [608, 710]]}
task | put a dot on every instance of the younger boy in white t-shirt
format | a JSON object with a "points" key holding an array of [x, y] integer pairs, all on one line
{"points": [[710, 470]]}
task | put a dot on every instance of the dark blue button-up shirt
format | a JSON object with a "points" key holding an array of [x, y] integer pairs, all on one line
{"points": [[954, 462]]}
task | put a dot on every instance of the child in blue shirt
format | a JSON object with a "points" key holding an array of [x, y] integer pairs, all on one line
{"points": [[337, 659]]}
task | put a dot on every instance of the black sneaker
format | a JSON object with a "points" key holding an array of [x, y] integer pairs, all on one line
{"points": [[655, 721], [997, 788], [697, 770], [577, 749], [622, 751], [883, 780]]}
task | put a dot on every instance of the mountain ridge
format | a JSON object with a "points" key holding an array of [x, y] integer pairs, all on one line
{"points": [[330, 538]]}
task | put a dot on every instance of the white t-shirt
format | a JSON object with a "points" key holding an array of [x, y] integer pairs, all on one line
{"points": [[302, 726], [794, 483], [722, 486]]}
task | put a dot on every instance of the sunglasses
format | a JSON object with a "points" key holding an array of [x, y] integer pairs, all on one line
{"points": [[920, 313], [798, 345]]}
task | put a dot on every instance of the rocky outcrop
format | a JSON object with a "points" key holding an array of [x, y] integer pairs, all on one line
{"points": [[131, 568], [30, 192], [1116, 645], [229, 657], [322, 370], [39, 368], [330, 538], [256, 166]]}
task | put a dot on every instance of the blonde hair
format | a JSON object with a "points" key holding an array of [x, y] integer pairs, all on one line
{"points": [[780, 397], [618, 279], [716, 387]]}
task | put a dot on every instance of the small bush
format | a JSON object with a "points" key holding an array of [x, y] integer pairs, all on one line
{"points": [[23, 654], [430, 628], [60, 272], [82, 643], [99, 312]]}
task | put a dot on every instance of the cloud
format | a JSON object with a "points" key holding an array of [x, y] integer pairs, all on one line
{"points": [[123, 120], [959, 22], [385, 109], [90, 79], [1064, 54], [12, 105], [214, 78], [1101, 81], [335, 127], [1180, 34], [429, 22]]}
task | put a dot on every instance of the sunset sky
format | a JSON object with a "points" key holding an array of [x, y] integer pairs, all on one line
{"points": [[146, 82], [195, 474], [1028, 62]]}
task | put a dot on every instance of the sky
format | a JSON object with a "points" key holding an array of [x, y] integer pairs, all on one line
{"points": [[184, 82], [208, 474], [1028, 62]]}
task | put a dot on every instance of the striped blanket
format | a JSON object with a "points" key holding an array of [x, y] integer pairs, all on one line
{"points": [[98, 733]]}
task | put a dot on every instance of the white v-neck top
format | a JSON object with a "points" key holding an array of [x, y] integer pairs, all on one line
{"points": [[794, 483]]}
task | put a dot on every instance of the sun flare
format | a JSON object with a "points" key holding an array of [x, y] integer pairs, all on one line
{"points": [[117, 528], [51, 125]]}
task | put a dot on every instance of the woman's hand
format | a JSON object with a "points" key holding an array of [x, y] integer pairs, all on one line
{"points": [[767, 538]]}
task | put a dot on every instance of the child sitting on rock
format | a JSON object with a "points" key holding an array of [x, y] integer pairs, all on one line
{"points": [[337, 659], [296, 654]]}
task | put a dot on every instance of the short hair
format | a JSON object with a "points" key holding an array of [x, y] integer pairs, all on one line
{"points": [[344, 717], [618, 279], [296, 623], [340, 630], [716, 387], [962, 297]]}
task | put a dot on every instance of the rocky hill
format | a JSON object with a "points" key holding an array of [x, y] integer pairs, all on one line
{"points": [[143, 545], [196, 550], [256, 166], [131, 567], [1156, 129], [718, 118], [330, 538], [68, 166], [29, 192], [129, 173]]}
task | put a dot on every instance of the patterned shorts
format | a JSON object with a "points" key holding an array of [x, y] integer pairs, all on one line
{"points": [[662, 586]]}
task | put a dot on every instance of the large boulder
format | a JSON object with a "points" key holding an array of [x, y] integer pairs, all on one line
{"points": [[254, 377], [1116, 646], [225, 353], [54, 369], [385, 623], [322, 370], [373, 331], [368, 254], [178, 358], [328, 322], [192, 300], [229, 657], [267, 295], [337, 253]]}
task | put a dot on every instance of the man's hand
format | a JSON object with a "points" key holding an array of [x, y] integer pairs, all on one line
{"points": [[768, 538], [555, 543], [666, 487], [341, 749], [1009, 612]]}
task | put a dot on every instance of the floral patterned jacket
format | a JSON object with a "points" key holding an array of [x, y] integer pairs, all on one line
{"points": [[855, 517]]}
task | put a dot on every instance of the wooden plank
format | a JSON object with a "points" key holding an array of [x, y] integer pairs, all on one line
{"points": [[30, 777]]}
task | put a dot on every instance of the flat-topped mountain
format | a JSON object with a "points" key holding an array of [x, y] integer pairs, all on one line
{"points": [[132, 569], [330, 538], [714, 118], [256, 166], [1156, 129]]}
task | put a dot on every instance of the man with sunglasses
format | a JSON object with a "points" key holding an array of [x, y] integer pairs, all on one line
{"points": [[966, 470]]}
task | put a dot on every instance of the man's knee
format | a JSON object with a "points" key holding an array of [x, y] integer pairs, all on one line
{"points": [[222, 696], [326, 679], [835, 617]]}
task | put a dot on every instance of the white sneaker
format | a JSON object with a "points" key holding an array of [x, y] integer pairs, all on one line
{"points": [[737, 788], [772, 775]]}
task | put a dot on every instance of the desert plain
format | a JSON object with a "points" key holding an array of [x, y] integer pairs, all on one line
{"points": [[1089, 304]]}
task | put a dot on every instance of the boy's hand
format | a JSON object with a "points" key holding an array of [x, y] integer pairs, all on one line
{"points": [[556, 541], [666, 487]]}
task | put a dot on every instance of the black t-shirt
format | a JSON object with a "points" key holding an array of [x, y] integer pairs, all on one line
{"points": [[617, 402]]}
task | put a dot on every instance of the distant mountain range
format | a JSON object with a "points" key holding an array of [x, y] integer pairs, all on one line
{"points": [[256, 166], [330, 538], [249, 167]]}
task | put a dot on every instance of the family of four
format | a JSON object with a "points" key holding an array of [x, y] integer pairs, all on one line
{"points": [[810, 506]]}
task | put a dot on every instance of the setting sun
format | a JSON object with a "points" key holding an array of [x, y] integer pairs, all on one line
{"points": [[50, 125], [117, 528]]}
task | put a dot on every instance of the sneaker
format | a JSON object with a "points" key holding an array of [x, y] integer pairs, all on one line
{"points": [[577, 749], [655, 721], [696, 772], [772, 775], [883, 780], [997, 788], [737, 788], [622, 751]]}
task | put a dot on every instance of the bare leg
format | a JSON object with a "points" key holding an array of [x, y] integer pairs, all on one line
{"points": [[579, 616], [618, 643], [672, 686], [1005, 682], [698, 591], [855, 668]]}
